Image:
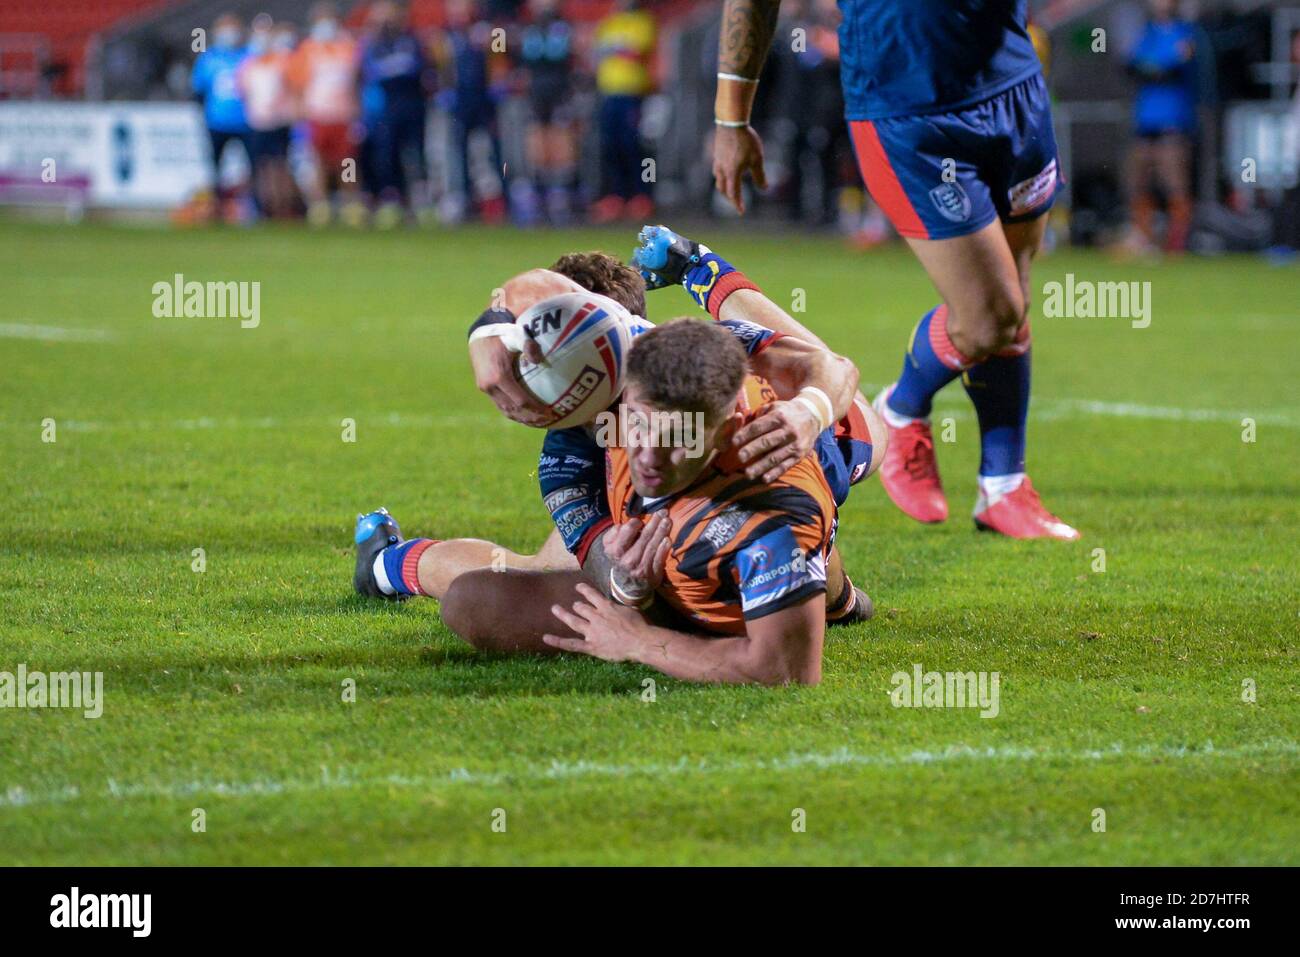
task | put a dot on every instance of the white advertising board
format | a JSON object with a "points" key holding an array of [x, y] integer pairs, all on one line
{"points": [[126, 154]]}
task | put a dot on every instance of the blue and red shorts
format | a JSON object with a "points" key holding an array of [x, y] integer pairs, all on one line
{"points": [[844, 452], [941, 175]]}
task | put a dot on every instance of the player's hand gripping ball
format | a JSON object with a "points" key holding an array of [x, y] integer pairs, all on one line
{"points": [[584, 340]]}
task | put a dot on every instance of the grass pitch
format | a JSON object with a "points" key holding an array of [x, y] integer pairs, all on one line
{"points": [[1121, 689]]}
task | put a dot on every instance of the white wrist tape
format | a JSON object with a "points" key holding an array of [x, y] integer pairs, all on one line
{"points": [[731, 124], [639, 602], [509, 333], [819, 403], [737, 77]]}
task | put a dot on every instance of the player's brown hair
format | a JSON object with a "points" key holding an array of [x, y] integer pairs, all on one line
{"points": [[688, 365], [603, 274]]}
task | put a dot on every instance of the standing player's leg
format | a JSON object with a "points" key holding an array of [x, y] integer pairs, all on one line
{"points": [[982, 334], [969, 191], [982, 309], [999, 389], [999, 386]]}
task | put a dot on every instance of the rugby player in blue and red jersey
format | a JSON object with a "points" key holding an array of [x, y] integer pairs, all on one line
{"points": [[951, 121]]}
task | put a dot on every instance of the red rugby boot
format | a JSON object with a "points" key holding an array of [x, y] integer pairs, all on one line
{"points": [[1020, 514], [909, 473]]}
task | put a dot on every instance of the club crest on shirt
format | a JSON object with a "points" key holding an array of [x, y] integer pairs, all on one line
{"points": [[951, 201]]}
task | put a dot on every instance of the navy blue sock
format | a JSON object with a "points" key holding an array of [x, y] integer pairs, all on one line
{"points": [[932, 361], [999, 388]]}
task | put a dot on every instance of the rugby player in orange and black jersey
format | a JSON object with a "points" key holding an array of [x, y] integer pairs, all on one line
{"points": [[768, 445], [572, 470], [729, 572]]}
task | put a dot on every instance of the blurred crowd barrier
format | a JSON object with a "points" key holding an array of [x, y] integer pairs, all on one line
{"points": [[1178, 122]]}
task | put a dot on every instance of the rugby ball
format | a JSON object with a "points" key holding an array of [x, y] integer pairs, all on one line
{"points": [[584, 338]]}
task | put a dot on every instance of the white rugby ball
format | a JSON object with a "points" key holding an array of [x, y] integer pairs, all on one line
{"points": [[584, 338]]}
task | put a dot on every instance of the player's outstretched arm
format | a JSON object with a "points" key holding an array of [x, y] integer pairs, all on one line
{"points": [[816, 388], [493, 357], [782, 648], [667, 258], [815, 385]]}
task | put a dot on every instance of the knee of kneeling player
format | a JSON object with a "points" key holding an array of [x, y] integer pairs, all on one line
{"points": [[461, 605]]}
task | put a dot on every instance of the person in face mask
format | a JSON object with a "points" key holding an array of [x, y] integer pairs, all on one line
{"points": [[323, 76], [264, 83], [214, 81], [395, 80]]}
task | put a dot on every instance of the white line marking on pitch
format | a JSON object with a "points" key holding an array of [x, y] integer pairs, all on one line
{"points": [[203, 423], [1042, 410], [343, 779], [1082, 408], [24, 330]]}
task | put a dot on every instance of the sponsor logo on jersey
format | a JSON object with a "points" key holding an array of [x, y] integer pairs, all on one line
{"points": [[723, 528], [563, 496], [571, 523], [748, 334]]}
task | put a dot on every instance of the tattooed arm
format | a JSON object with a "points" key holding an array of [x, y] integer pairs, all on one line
{"points": [[747, 30]]}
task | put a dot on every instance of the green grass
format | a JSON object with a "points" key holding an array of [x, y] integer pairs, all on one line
{"points": [[1120, 690]]}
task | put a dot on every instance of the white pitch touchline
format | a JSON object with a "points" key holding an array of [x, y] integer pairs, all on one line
{"points": [[1044, 409], [24, 330], [270, 422], [1065, 408], [1137, 411], [341, 779]]}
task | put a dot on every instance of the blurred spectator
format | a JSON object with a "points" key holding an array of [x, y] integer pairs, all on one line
{"points": [[546, 57], [1286, 220], [624, 49], [393, 76], [323, 73], [503, 11], [268, 103], [1042, 43], [471, 100], [816, 110], [215, 83], [1163, 62]]}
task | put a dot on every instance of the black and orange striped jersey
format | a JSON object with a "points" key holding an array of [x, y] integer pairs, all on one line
{"points": [[740, 549]]}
